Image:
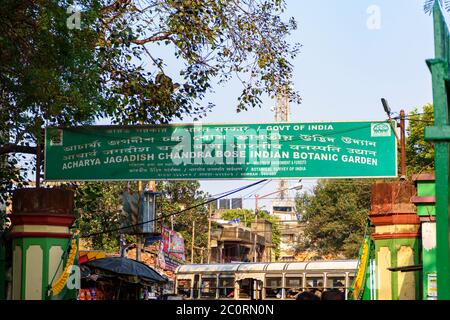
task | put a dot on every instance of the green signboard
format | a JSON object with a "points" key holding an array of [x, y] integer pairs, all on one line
{"points": [[221, 151]]}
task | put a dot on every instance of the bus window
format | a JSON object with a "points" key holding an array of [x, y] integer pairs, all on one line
{"points": [[335, 282], [245, 288], [184, 288], [274, 287], [315, 282], [226, 287], [293, 287], [209, 286]]}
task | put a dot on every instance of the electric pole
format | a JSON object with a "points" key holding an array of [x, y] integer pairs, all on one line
{"points": [[209, 235], [402, 139], [282, 114], [138, 236], [193, 240], [403, 144], [254, 247], [40, 136]]}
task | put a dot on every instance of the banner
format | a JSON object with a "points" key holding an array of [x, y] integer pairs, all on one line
{"points": [[173, 243], [171, 253], [221, 151], [364, 259]]}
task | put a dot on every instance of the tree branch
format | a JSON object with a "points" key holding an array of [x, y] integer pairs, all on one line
{"points": [[114, 6], [14, 148], [165, 36]]}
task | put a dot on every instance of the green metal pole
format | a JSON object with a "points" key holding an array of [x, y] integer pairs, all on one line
{"points": [[442, 217], [439, 68]]}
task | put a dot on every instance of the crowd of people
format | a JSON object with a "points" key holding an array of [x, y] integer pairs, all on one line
{"points": [[319, 294]]}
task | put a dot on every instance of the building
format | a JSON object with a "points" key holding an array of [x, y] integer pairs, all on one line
{"points": [[291, 228], [220, 205], [232, 242]]}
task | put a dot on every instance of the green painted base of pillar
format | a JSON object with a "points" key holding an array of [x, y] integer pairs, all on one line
{"points": [[397, 285], [38, 262], [429, 261]]}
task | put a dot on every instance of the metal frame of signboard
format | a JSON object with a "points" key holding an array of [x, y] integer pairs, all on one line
{"points": [[218, 124]]}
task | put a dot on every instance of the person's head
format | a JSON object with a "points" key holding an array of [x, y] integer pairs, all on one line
{"points": [[307, 296], [317, 292]]}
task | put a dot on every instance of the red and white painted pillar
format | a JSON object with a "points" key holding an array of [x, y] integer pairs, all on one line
{"points": [[41, 219]]}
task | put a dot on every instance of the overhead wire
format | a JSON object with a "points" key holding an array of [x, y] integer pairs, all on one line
{"points": [[224, 194], [343, 182], [419, 120], [172, 214], [250, 194], [420, 114]]}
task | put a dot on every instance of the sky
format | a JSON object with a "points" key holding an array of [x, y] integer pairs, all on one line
{"points": [[348, 61], [353, 53]]}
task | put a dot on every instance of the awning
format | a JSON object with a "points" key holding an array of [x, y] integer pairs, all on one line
{"points": [[128, 267]]}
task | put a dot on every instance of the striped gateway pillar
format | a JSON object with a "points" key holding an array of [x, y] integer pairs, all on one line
{"points": [[41, 219], [425, 201], [397, 240]]}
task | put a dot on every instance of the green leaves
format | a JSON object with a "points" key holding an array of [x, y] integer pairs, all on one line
{"points": [[213, 39], [49, 75], [429, 4], [334, 216], [98, 208], [177, 196], [70, 77], [112, 67], [419, 153]]}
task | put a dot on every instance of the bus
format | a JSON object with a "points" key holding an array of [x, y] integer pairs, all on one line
{"points": [[262, 281]]}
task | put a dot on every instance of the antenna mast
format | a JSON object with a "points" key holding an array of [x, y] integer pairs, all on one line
{"points": [[282, 114]]}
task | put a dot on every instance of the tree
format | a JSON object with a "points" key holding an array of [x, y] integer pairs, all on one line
{"points": [[214, 39], [335, 217], [419, 153], [248, 216], [49, 75], [56, 74], [428, 5], [177, 196], [99, 210]]}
